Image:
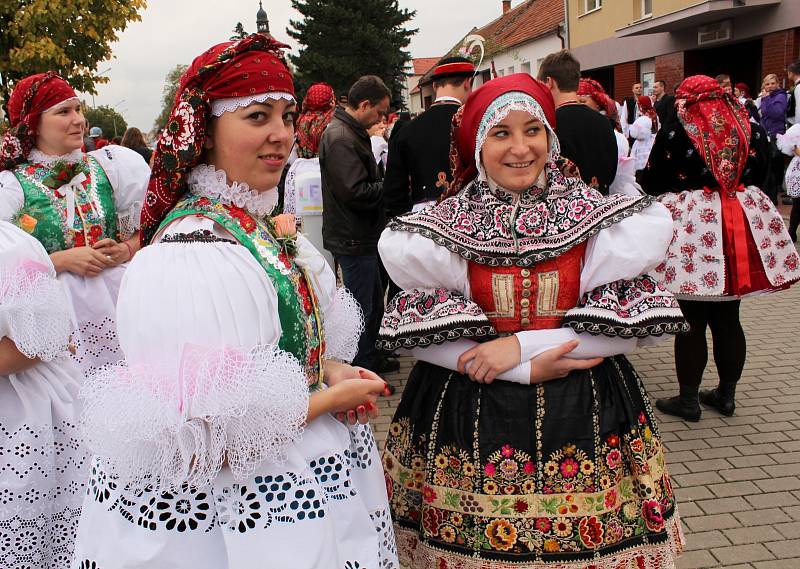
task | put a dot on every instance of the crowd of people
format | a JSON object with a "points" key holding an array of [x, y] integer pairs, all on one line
{"points": [[517, 239]]}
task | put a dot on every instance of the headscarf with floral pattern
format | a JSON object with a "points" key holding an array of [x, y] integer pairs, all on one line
{"points": [[718, 126], [318, 108], [252, 68], [591, 88]]}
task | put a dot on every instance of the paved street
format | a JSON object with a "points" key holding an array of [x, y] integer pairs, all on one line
{"points": [[738, 478]]}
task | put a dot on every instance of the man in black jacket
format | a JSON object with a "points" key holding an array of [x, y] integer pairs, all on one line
{"points": [[353, 212], [418, 171], [664, 104]]}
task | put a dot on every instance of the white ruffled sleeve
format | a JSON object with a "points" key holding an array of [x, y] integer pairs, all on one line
{"points": [[204, 380], [34, 307], [641, 129], [129, 175], [787, 142], [11, 196], [342, 318]]}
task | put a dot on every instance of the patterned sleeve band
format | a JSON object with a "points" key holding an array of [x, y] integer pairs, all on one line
{"points": [[628, 308], [424, 317]]}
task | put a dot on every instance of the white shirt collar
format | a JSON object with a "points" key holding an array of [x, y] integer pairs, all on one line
{"points": [[447, 99], [36, 156], [206, 181]]}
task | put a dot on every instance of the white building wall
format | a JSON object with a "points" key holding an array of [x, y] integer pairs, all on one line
{"points": [[523, 58]]}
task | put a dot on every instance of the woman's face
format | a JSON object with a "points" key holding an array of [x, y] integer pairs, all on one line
{"points": [[252, 144], [61, 129], [515, 151], [737, 93], [770, 84]]}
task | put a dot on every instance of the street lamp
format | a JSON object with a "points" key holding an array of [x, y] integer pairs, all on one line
{"points": [[99, 74], [114, 118]]}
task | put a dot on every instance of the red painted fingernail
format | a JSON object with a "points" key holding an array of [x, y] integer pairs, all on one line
{"points": [[340, 416], [351, 415], [361, 409], [370, 406]]}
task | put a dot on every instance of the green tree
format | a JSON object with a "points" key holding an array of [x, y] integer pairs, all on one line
{"points": [[112, 123], [171, 83], [238, 32], [68, 36], [371, 38]]}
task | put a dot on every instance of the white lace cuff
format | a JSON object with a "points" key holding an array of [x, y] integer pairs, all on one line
{"points": [[129, 221], [166, 429], [343, 324], [34, 311]]}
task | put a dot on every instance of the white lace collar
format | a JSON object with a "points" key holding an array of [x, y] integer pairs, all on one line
{"points": [[36, 156], [206, 181]]}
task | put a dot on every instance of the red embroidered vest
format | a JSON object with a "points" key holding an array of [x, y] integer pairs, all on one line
{"points": [[536, 298]]}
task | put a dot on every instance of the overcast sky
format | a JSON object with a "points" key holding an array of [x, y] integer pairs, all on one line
{"points": [[175, 31]]}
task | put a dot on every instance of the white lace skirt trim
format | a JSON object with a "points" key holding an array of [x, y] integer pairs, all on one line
{"points": [[224, 405], [34, 311], [343, 324]]}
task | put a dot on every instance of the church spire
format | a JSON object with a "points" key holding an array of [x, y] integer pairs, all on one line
{"points": [[262, 22]]}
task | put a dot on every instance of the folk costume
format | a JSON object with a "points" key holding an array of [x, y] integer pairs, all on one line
{"points": [[608, 107], [71, 201], [568, 473], [418, 171], [643, 132], [203, 459], [43, 463], [728, 242], [788, 143]]}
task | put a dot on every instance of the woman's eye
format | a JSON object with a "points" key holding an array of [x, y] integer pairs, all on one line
{"points": [[290, 116], [534, 130], [500, 133], [257, 116]]}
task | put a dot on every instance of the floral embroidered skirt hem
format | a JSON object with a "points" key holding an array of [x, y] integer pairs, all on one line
{"points": [[325, 506], [565, 474]]}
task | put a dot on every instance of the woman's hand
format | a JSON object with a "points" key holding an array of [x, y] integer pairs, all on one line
{"points": [[356, 399], [12, 360], [118, 252], [485, 362], [84, 261], [554, 363], [797, 150], [336, 373]]}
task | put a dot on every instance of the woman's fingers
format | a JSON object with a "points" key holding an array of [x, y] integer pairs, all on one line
{"points": [[565, 348], [107, 242], [361, 412], [368, 374], [465, 358], [584, 364]]}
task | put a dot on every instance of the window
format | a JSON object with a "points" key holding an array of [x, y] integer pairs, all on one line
{"points": [[647, 8], [511, 70], [590, 5], [526, 67], [501, 73]]}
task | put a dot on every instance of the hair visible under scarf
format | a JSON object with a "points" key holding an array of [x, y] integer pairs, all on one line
{"points": [[31, 97], [318, 109], [718, 126], [230, 70]]}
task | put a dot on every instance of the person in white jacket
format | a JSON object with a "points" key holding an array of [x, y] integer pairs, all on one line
{"points": [[643, 132]]}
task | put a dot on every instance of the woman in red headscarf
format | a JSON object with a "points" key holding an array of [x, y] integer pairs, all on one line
{"points": [[215, 441], [303, 189], [592, 94], [83, 208], [729, 240], [524, 437], [643, 132]]}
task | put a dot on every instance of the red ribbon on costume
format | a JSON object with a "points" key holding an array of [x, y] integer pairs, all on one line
{"points": [[734, 227]]}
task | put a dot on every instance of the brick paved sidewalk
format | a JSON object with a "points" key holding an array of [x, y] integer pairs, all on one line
{"points": [[737, 479]]}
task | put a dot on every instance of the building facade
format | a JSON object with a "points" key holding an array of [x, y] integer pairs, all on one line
{"points": [[621, 42]]}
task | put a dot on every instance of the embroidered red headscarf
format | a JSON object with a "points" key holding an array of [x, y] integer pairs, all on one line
{"points": [[30, 98], [718, 126], [230, 70], [318, 108], [591, 88], [646, 108], [467, 120]]}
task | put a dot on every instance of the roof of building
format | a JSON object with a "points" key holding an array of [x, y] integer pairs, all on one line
{"points": [[423, 64]]}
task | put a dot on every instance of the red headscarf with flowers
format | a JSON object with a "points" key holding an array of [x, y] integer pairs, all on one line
{"points": [[318, 108], [30, 98], [646, 108], [591, 88], [467, 120], [718, 126], [247, 67]]}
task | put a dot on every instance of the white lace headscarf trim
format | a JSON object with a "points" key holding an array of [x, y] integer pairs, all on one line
{"points": [[206, 181], [61, 104], [229, 105], [498, 110], [38, 157]]}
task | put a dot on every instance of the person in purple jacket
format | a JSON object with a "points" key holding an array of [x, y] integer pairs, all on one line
{"points": [[773, 119]]}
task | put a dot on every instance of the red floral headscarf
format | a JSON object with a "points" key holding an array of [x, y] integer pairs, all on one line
{"points": [[318, 108], [718, 125], [30, 98], [251, 66], [467, 121], [593, 89], [646, 108]]}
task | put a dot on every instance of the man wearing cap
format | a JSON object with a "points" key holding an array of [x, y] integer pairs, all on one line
{"points": [[418, 168], [96, 134]]}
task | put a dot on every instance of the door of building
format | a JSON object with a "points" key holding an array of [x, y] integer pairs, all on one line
{"points": [[742, 61]]}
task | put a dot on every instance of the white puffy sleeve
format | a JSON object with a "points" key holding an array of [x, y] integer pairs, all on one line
{"points": [[204, 380], [129, 175], [641, 129], [342, 318], [11, 196], [34, 307], [787, 142]]}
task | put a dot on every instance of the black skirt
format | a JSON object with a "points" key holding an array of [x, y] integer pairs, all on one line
{"points": [[566, 474]]}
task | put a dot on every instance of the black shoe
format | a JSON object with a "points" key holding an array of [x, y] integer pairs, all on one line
{"points": [[713, 398], [679, 408], [386, 365]]}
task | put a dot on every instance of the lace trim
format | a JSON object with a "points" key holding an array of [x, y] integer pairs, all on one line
{"points": [[343, 324], [230, 104], [130, 220], [206, 181], [38, 157], [34, 311], [153, 426], [197, 236]]}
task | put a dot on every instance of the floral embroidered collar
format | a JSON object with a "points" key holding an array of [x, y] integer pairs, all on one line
{"points": [[491, 226], [206, 181], [36, 156]]}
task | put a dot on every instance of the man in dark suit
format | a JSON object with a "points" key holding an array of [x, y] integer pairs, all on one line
{"points": [[630, 110], [664, 104]]}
